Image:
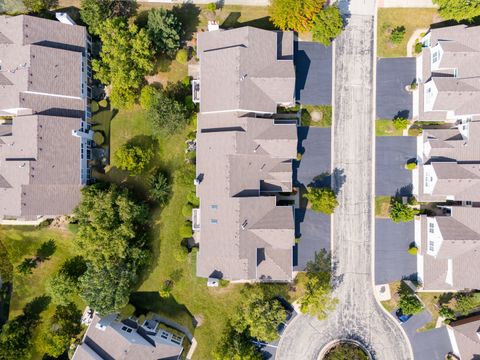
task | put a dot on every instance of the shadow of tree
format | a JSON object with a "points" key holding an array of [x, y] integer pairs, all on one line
{"points": [[188, 14]]}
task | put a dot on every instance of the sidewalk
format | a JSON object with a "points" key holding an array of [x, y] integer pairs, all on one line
{"points": [[405, 4], [224, 2]]}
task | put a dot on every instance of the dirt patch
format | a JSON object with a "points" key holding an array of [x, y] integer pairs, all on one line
{"points": [[60, 223]]}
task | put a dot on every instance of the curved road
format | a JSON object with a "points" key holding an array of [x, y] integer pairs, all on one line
{"points": [[358, 315]]}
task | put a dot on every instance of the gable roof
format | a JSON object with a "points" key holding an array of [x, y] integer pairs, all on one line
{"points": [[467, 336]]}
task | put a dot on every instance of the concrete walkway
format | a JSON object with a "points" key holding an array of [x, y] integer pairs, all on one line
{"points": [[225, 2], [405, 4], [411, 41], [358, 316]]}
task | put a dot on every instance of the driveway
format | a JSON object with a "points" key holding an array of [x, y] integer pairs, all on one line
{"points": [[392, 153], [313, 231], [313, 67], [392, 261], [427, 345], [314, 145], [392, 77]]}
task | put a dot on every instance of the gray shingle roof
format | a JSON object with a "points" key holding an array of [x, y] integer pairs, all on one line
{"points": [[243, 69], [467, 336]]}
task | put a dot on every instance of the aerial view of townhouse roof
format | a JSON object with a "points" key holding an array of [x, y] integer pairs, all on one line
{"points": [[240, 179]]}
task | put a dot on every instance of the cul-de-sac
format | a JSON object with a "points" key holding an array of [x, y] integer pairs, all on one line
{"points": [[240, 180]]}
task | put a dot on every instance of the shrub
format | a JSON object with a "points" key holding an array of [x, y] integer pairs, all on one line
{"points": [[103, 103], [159, 187], [167, 114], [409, 303], [418, 47], [212, 7], [133, 158], [189, 104], [193, 199], [411, 165], [400, 212], [186, 81], [447, 313], [413, 250], [26, 266], [187, 210], [400, 123], [148, 97], [465, 303], [322, 199], [182, 56], [94, 106], [397, 34], [98, 138], [186, 230]]}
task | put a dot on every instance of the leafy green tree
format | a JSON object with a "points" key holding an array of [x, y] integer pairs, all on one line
{"points": [[447, 313], [465, 303], [295, 15], [458, 9], [64, 325], [259, 316], [398, 34], [133, 158], [400, 123], [327, 25], [400, 212], [167, 115], [26, 266], [148, 97], [318, 300], [125, 74], [212, 7], [38, 6], [95, 12], [64, 284], [165, 31], [105, 289], [322, 199], [409, 302], [235, 346], [159, 187]]}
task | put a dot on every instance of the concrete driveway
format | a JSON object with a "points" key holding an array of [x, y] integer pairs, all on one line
{"points": [[392, 261], [314, 145], [427, 345], [392, 77], [392, 153], [313, 67], [313, 230]]}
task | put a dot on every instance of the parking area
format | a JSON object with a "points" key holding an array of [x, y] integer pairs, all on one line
{"points": [[427, 345], [312, 229], [393, 75], [313, 66], [392, 153], [314, 146], [392, 261]]}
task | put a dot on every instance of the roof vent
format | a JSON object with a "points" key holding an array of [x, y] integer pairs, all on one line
{"points": [[243, 77], [244, 225]]}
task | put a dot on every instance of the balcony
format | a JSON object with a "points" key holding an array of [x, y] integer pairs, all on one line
{"points": [[196, 220], [196, 91]]}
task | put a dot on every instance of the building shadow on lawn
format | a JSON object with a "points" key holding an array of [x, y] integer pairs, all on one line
{"points": [[232, 21], [146, 301]]}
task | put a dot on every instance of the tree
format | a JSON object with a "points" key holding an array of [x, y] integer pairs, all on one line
{"points": [[465, 303], [318, 300], [400, 212], [294, 14], [26, 266], [107, 289], [64, 284], [397, 34], [46, 250], [133, 158], [400, 123], [165, 31], [258, 316], [159, 187], [212, 7], [235, 346], [95, 12], [447, 313], [38, 6], [167, 115], [148, 97], [458, 9], [409, 302], [327, 25], [110, 237], [182, 56], [322, 199], [125, 74], [64, 325]]}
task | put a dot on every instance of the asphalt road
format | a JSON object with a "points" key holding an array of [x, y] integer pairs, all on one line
{"points": [[357, 316]]}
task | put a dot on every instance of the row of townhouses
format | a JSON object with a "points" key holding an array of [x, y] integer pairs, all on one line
{"points": [[448, 172], [45, 141]]}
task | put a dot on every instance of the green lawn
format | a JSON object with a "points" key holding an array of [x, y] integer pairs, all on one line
{"points": [[386, 128], [410, 18], [382, 206], [317, 116], [21, 242]]}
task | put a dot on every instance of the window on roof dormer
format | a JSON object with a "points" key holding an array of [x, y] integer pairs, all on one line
{"points": [[435, 55]]}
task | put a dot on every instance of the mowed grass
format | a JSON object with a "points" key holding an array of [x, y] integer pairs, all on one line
{"points": [[382, 206], [21, 242], [410, 18], [386, 128]]}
